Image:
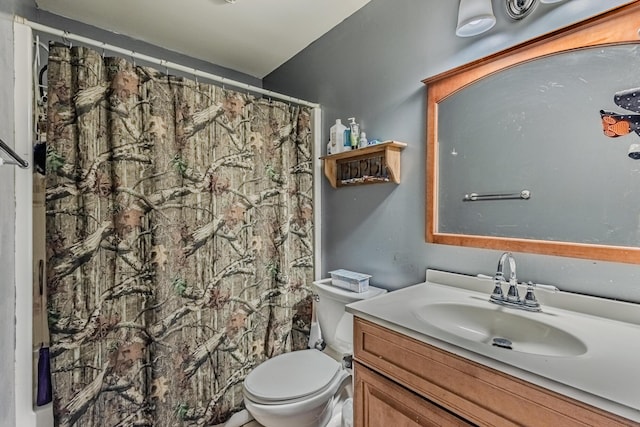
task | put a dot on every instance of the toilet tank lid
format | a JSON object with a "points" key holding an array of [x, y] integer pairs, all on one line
{"points": [[291, 375], [346, 295]]}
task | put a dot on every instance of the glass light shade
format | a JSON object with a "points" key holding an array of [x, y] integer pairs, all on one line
{"points": [[474, 17]]}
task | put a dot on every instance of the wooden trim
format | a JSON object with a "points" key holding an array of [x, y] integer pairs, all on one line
{"points": [[468, 389], [575, 250], [617, 26]]}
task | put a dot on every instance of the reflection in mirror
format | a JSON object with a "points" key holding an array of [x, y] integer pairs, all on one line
{"points": [[537, 126], [557, 116]]}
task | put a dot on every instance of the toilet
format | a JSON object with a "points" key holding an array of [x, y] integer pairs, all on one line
{"points": [[300, 388]]}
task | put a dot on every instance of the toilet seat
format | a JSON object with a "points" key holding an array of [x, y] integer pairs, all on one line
{"points": [[292, 377]]}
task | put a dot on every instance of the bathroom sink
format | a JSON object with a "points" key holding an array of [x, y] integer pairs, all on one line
{"points": [[500, 327], [578, 345]]}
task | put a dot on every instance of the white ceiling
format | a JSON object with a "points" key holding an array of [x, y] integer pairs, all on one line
{"points": [[250, 36]]}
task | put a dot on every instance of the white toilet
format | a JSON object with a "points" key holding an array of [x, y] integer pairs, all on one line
{"points": [[299, 389]]}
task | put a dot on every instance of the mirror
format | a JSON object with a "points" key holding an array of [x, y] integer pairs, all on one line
{"points": [[525, 126]]}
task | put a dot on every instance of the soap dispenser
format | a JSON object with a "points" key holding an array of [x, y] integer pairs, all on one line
{"points": [[355, 131]]}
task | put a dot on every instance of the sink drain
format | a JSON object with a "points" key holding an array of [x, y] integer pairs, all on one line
{"points": [[502, 343]]}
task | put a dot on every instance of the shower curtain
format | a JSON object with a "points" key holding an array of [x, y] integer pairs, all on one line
{"points": [[179, 241]]}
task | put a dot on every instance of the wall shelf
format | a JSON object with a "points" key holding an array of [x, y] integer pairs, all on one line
{"points": [[374, 164]]}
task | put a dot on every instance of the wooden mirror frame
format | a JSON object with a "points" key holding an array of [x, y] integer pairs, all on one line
{"points": [[616, 26]]}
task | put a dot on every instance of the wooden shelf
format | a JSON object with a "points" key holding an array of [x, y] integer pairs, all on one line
{"points": [[370, 165]]}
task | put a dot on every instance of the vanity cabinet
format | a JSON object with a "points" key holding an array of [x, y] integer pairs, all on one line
{"points": [[369, 165], [400, 381]]}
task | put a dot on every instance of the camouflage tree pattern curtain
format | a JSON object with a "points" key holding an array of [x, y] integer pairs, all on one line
{"points": [[179, 241]]}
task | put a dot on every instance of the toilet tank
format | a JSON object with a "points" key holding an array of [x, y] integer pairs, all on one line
{"points": [[336, 324]]}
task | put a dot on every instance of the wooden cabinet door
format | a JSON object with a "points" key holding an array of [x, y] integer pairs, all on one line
{"points": [[380, 402]]}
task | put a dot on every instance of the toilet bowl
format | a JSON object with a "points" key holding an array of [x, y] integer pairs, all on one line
{"points": [[295, 389], [300, 389]]}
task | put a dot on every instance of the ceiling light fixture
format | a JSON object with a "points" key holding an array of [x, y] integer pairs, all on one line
{"points": [[474, 17], [518, 9]]}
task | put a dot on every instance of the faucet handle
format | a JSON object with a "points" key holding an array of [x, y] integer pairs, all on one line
{"points": [[497, 294], [530, 301]]}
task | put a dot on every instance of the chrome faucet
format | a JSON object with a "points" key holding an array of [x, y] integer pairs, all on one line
{"points": [[512, 299], [512, 294]]}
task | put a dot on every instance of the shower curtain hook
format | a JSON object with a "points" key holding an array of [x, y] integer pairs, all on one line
{"points": [[36, 59], [133, 58], [67, 35], [103, 49], [195, 75], [65, 39]]}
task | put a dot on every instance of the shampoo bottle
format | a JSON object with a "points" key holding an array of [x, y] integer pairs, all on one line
{"points": [[347, 140], [336, 137]]}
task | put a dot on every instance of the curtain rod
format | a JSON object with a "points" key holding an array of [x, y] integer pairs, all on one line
{"points": [[65, 35]]}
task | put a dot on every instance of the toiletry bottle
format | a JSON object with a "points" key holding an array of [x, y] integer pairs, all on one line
{"points": [[355, 131], [363, 140], [347, 140], [328, 148], [336, 137]]}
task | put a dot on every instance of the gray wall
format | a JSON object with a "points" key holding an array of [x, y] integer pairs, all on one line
{"points": [[371, 67]]}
